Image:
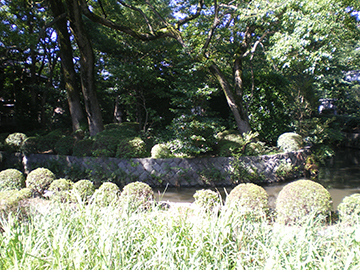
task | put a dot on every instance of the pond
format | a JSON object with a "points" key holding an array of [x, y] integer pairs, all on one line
{"points": [[340, 175]]}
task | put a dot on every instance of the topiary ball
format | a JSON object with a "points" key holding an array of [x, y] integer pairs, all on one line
{"points": [[82, 190], [14, 141], [249, 199], [10, 201], [39, 180], [349, 209], [290, 141], [160, 151], [108, 194], [60, 190], [300, 199], [207, 200], [137, 196], [11, 179]]}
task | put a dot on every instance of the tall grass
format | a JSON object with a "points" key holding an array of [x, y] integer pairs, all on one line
{"points": [[89, 237]]}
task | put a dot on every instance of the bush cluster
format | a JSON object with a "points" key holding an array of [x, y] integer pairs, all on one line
{"points": [[11, 179], [39, 180]]}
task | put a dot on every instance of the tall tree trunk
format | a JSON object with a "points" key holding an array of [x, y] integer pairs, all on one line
{"points": [[240, 115], [66, 55], [87, 63]]}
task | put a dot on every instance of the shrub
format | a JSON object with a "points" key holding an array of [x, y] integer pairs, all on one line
{"points": [[137, 196], [349, 209], [131, 148], [14, 141], [207, 200], [194, 135], [46, 144], [160, 151], [83, 148], [11, 179], [83, 190], [10, 201], [60, 190], [249, 199], [39, 180], [3, 136], [289, 142], [30, 145], [105, 146], [108, 194], [301, 199], [65, 145]]}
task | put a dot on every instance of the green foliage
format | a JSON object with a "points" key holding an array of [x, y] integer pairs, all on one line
{"points": [[290, 141], [321, 134], [65, 145], [83, 148], [105, 145], [46, 143], [349, 209], [249, 200], [11, 201], [300, 200], [30, 146], [194, 135], [242, 172], [207, 200], [211, 176], [82, 191], [131, 148], [60, 190], [3, 136], [39, 180], [11, 179], [108, 194], [14, 141], [137, 196], [160, 151]]}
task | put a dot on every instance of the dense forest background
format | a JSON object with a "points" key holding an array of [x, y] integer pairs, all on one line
{"points": [[181, 69]]}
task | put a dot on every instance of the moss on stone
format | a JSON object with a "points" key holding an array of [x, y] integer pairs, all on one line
{"points": [[11, 179], [39, 180], [300, 200]]}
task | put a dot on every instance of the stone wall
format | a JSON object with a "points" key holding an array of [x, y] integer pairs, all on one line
{"points": [[175, 172]]}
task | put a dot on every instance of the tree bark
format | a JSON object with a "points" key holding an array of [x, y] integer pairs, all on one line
{"points": [[240, 115], [67, 64], [87, 62]]}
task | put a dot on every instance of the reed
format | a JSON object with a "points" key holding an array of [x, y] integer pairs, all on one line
{"points": [[92, 237]]}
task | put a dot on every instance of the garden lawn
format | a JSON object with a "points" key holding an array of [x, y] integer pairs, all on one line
{"points": [[63, 236]]}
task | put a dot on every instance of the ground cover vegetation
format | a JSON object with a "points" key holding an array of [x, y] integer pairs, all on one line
{"points": [[85, 234]]}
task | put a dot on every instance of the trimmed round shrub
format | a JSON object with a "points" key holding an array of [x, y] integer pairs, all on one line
{"points": [[14, 141], [83, 148], [137, 196], [10, 201], [249, 199], [131, 148], [60, 190], [82, 190], [207, 200], [108, 194], [160, 151], [39, 180], [301, 200], [11, 179], [290, 141], [349, 209], [65, 145]]}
